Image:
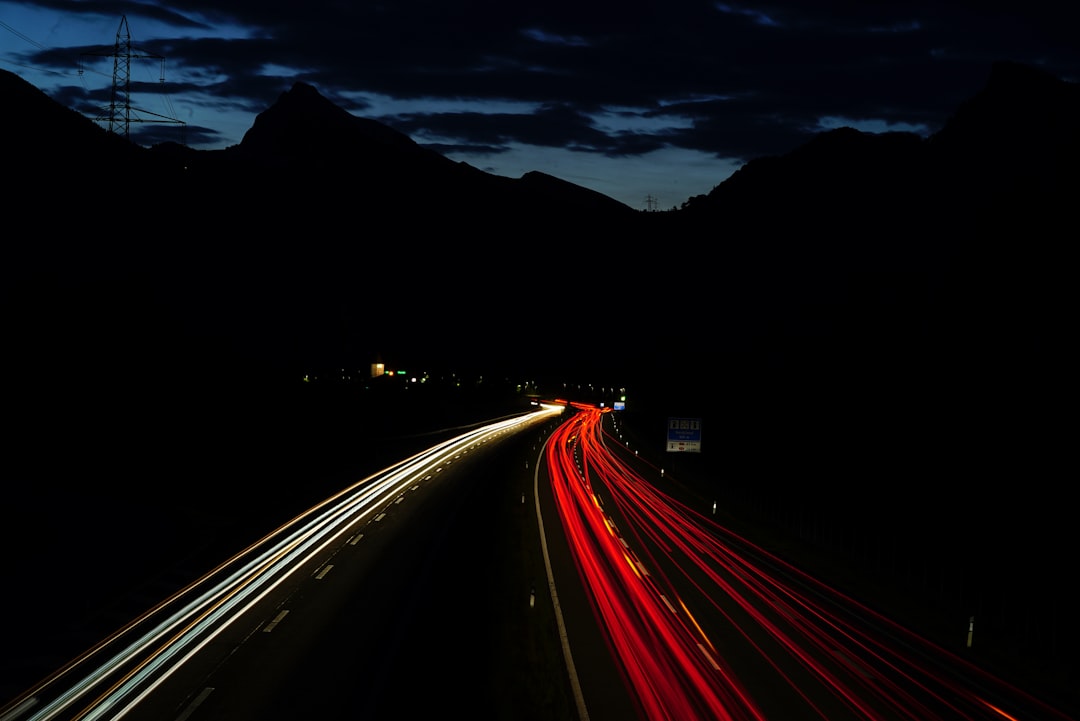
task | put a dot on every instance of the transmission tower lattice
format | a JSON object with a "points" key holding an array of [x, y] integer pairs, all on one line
{"points": [[118, 112]]}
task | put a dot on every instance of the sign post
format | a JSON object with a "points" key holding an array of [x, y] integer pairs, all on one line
{"points": [[684, 435]]}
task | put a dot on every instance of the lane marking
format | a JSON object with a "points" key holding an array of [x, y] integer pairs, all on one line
{"points": [[325, 570], [277, 619], [195, 704], [355, 539], [708, 655]]}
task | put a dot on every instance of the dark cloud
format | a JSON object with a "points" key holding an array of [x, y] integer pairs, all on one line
{"points": [[114, 9], [738, 80], [552, 126]]}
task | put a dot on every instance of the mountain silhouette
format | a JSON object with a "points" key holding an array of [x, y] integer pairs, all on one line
{"points": [[323, 238], [305, 147], [875, 327]]}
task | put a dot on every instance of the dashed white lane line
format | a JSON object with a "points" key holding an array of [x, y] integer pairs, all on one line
{"points": [[195, 703], [277, 619], [706, 654]]}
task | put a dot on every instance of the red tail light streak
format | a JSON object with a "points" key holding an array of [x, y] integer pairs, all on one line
{"points": [[678, 597]]}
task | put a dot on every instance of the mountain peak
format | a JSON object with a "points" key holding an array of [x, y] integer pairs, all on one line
{"points": [[304, 99], [303, 126], [1008, 73], [1022, 124]]}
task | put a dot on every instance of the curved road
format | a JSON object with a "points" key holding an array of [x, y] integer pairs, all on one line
{"points": [[407, 595], [532, 568], [706, 625]]}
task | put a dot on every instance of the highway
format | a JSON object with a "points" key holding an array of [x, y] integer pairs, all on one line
{"points": [[706, 625], [357, 606], [534, 567]]}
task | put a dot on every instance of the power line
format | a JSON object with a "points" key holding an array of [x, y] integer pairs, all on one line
{"points": [[39, 46], [19, 35], [119, 109]]}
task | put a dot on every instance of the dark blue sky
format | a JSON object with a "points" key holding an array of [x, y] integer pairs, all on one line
{"points": [[638, 100]]}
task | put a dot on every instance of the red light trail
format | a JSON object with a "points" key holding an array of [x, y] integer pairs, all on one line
{"points": [[652, 567]]}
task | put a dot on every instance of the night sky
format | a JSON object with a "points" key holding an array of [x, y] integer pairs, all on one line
{"points": [[650, 103]]}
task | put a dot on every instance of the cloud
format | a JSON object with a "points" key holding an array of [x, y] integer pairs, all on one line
{"points": [[726, 80]]}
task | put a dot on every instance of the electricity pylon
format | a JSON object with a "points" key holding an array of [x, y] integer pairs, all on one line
{"points": [[118, 112]]}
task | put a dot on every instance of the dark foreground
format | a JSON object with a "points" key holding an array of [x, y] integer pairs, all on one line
{"points": [[105, 536]]}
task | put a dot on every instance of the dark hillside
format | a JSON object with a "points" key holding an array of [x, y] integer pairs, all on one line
{"points": [[874, 328], [48, 138], [857, 273], [900, 359]]}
